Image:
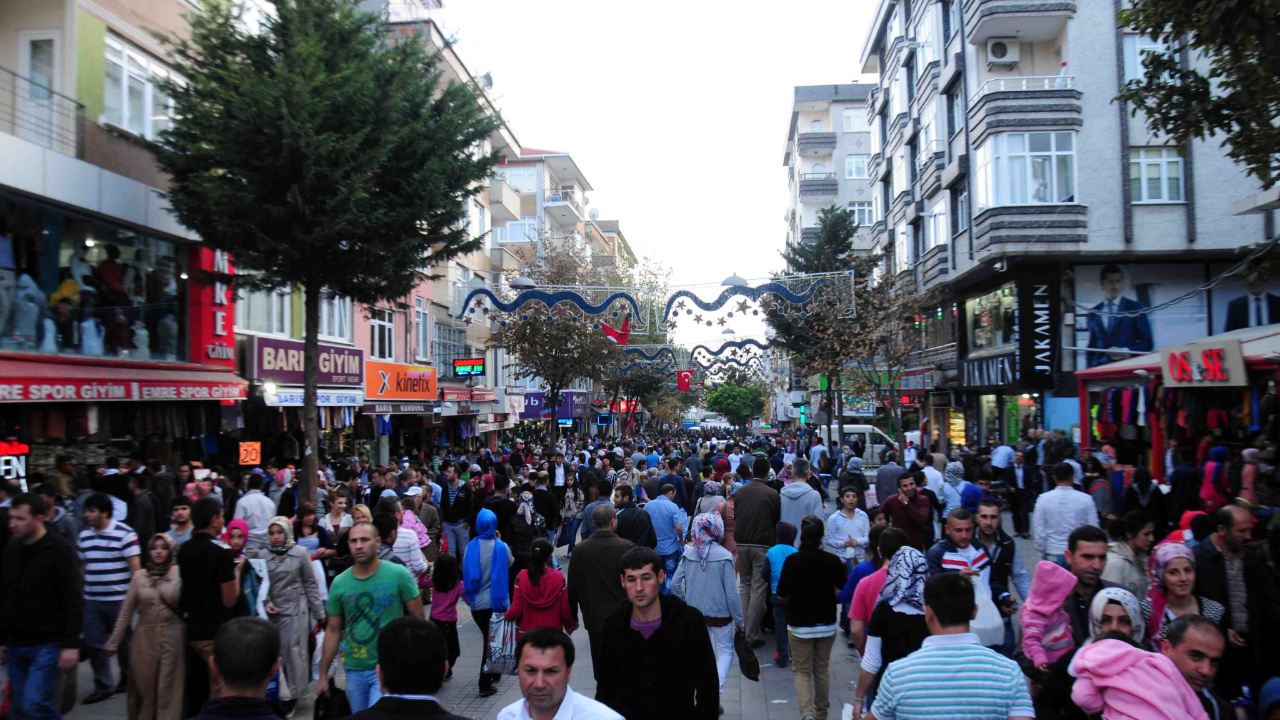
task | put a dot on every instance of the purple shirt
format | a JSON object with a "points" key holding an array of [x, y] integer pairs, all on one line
{"points": [[647, 629]]}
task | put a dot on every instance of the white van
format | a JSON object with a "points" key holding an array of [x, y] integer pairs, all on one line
{"points": [[872, 439]]}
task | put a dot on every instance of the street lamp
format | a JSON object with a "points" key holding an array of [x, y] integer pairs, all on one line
{"points": [[734, 281], [523, 283]]}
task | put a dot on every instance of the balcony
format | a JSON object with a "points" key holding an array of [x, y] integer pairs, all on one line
{"points": [[809, 235], [818, 187], [563, 206], [504, 203], [815, 144], [1028, 20], [40, 115], [937, 355], [1030, 228], [502, 260], [1041, 102]]}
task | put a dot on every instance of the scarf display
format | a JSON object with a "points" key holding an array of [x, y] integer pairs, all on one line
{"points": [[1158, 593], [708, 528], [472, 577], [287, 527], [1127, 600], [161, 569], [904, 584]]}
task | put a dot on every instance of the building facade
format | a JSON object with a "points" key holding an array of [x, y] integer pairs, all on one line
{"points": [[1055, 229]]}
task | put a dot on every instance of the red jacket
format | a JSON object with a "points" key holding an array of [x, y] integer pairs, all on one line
{"points": [[545, 604]]}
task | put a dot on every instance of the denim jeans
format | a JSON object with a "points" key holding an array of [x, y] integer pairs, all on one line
{"points": [[1059, 560], [1006, 648], [363, 689], [670, 563], [99, 620], [457, 536], [33, 674], [569, 533], [781, 645]]}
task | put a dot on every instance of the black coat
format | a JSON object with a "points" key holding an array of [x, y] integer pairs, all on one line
{"points": [[548, 506], [635, 525], [671, 676], [594, 577], [390, 708], [459, 510], [810, 581]]}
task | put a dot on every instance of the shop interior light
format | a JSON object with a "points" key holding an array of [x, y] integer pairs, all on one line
{"points": [[269, 388], [89, 242], [183, 276], [1026, 395]]}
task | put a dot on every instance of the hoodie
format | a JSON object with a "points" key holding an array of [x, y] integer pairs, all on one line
{"points": [[1127, 683], [545, 604], [798, 502], [1046, 627]]}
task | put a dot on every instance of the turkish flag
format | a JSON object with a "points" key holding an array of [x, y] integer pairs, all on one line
{"points": [[619, 336], [683, 378]]}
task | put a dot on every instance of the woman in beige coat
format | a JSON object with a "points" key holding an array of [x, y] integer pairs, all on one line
{"points": [[157, 671]]}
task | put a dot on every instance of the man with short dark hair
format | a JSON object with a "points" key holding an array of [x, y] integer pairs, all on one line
{"points": [[593, 577], [656, 659], [546, 504], [545, 665], [210, 583], [987, 685], [908, 509], [41, 607], [1059, 512], [110, 553], [955, 551], [675, 476], [1195, 644], [634, 524], [246, 657], [142, 510], [1229, 574], [1006, 566], [180, 521], [257, 510], [411, 668], [668, 525], [1086, 557], [1023, 483], [757, 512]]}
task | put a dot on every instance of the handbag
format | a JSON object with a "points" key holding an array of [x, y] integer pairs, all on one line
{"points": [[502, 647], [748, 663], [64, 692]]}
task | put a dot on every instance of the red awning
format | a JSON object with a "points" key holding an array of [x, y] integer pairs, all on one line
{"points": [[62, 378]]}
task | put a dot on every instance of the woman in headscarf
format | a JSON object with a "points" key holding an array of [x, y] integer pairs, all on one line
{"points": [[1127, 557], [897, 626], [809, 581], [293, 591], [157, 665], [707, 581], [1215, 490], [1144, 495], [1113, 610], [526, 526], [721, 469], [712, 499], [788, 474], [487, 558], [1173, 579]]}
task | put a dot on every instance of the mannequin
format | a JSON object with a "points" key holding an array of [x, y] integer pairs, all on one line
{"points": [[167, 335], [141, 342], [91, 330], [48, 336], [26, 313]]}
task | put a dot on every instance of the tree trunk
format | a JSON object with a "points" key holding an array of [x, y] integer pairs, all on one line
{"points": [[831, 416], [613, 431], [553, 399], [840, 414], [310, 376]]}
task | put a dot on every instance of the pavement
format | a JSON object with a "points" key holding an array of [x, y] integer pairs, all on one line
{"points": [[772, 698]]}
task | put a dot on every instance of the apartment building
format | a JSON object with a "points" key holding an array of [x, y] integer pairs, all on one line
{"points": [[1022, 196], [828, 157]]}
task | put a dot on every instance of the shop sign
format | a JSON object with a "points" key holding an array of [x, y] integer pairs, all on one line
{"points": [[999, 370], [514, 403], [13, 461], [468, 367], [250, 453], [398, 409], [570, 404], [1205, 364], [483, 394], [71, 390], [211, 307], [394, 381], [325, 397], [1039, 335], [457, 394], [281, 361]]}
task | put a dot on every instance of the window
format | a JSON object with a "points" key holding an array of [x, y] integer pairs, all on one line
{"points": [[523, 180], [477, 219], [819, 169], [523, 230], [937, 231], [335, 318], [855, 166], [927, 51], [899, 172], [955, 108], [875, 135], [992, 319], [954, 16], [948, 25], [264, 311], [901, 248], [877, 209], [850, 120], [815, 126], [926, 144], [131, 99], [863, 213], [1135, 47], [382, 334], [1026, 169], [422, 328], [449, 344], [960, 211], [1155, 175]]}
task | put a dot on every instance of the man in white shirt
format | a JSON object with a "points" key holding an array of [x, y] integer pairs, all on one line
{"points": [[545, 657], [257, 510], [1060, 511], [1001, 457], [735, 459], [816, 451]]}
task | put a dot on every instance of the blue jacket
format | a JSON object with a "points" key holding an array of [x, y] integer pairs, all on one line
{"points": [[776, 556]]}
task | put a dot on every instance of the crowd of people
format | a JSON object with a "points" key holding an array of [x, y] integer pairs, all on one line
{"points": [[201, 594]]}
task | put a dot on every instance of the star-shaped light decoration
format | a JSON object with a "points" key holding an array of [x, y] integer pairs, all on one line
{"points": [[672, 324], [766, 303], [680, 305], [720, 322], [537, 313], [742, 306], [697, 318], [561, 312], [467, 320]]}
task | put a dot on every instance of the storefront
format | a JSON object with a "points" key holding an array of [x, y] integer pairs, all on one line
{"points": [[274, 415], [402, 415], [1223, 386]]}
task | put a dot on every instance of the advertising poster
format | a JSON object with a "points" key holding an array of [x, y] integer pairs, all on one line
{"points": [[1243, 302], [1113, 309]]}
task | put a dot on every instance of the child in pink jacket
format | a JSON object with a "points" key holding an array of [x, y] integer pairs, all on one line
{"points": [[1124, 682], [1046, 627]]}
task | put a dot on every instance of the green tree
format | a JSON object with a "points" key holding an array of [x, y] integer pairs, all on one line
{"points": [[322, 153], [737, 401], [1237, 97]]}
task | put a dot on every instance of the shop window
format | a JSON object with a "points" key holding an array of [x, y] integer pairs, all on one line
{"points": [[992, 320], [84, 287]]}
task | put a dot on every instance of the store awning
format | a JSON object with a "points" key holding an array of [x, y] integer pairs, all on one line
{"points": [[1256, 344], [61, 378]]}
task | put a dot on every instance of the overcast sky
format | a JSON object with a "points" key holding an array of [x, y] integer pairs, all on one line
{"points": [[676, 113]]}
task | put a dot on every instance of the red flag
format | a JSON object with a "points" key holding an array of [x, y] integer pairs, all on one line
{"points": [[618, 336], [683, 378]]}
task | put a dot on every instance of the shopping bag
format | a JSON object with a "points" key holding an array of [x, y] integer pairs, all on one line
{"points": [[502, 646], [64, 693], [748, 664], [989, 624], [332, 705]]}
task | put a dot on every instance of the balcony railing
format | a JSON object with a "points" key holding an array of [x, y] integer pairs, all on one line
{"points": [[929, 153], [1023, 84], [817, 176], [40, 114], [564, 197], [937, 355]]}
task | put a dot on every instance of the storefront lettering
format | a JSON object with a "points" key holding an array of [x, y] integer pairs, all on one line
{"points": [[1042, 326], [989, 371], [105, 390], [1221, 364], [1211, 367], [212, 307]]}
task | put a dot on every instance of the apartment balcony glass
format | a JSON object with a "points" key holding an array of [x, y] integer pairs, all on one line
{"points": [[815, 144], [1028, 20], [36, 113], [818, 187], [563, 206], [1045, 102]]}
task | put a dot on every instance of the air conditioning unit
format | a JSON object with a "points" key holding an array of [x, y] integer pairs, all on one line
{"points": [[1002, 51]]}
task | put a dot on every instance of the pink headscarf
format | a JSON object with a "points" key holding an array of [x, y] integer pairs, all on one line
{"points": [[787, 476], [1158, 594], [243, 527]]}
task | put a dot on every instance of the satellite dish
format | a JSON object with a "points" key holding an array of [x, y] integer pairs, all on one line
{"points": [[595, 213]]}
